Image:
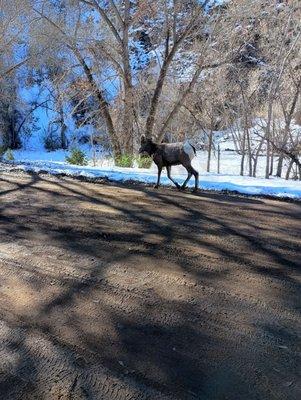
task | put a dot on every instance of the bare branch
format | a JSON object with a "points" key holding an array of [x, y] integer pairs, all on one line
{"points": [[103, 13]]}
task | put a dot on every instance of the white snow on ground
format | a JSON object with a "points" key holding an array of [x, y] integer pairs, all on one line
{"points": [[53, 162]]}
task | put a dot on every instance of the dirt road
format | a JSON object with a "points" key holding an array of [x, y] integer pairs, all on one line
{"points": [[112, 293]]}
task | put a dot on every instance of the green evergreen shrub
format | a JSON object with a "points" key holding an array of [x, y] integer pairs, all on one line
{"points": [[77, 157], [144, 161], [125, 161], [9, 155]]}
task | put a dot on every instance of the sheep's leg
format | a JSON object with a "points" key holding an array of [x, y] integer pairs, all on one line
{"points": [[159, 176], [168, 169], [196, 177], [187, 179], [191, 171]]}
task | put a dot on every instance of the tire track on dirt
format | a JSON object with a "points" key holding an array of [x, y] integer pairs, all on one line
{"points": [[113, 293]]}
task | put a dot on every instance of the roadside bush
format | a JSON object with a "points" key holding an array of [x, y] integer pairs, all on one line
{"points": [[124, 161], [77, 157], [144, 161], [9, 155], [52, 142]]}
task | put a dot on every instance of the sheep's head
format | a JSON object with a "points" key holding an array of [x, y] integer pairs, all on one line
{"points": [[147, 146]]}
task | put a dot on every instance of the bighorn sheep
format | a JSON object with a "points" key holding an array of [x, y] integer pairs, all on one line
{"points": [[168, 154]]}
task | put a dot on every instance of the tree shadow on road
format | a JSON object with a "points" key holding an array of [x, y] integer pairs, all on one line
{"points": [[146, 285]]}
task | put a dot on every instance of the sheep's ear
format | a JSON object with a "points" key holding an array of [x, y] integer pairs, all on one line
{"points": [[143, 139]]}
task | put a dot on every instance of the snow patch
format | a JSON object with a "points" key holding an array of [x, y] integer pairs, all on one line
{"points": [[276, 187]]}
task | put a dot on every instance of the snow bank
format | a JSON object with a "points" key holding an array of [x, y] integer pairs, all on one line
{"points": [[255, 186]]}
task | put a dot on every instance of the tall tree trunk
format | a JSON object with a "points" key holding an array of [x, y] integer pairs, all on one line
{"points": [[93, 148], [267, 164], [246, 129], [127, 133], [64, 143], [218, 158], [255, 161], [255, 166], [209, 149], [272, 151], [279, 166], [290, 166], [299, 170], [271, 163], [103, 105], [243, 153], [242, 163], [249, 151], [268, 138]]}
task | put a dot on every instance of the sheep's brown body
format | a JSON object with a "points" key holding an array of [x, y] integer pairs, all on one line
{"points": [[169, 154]]}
